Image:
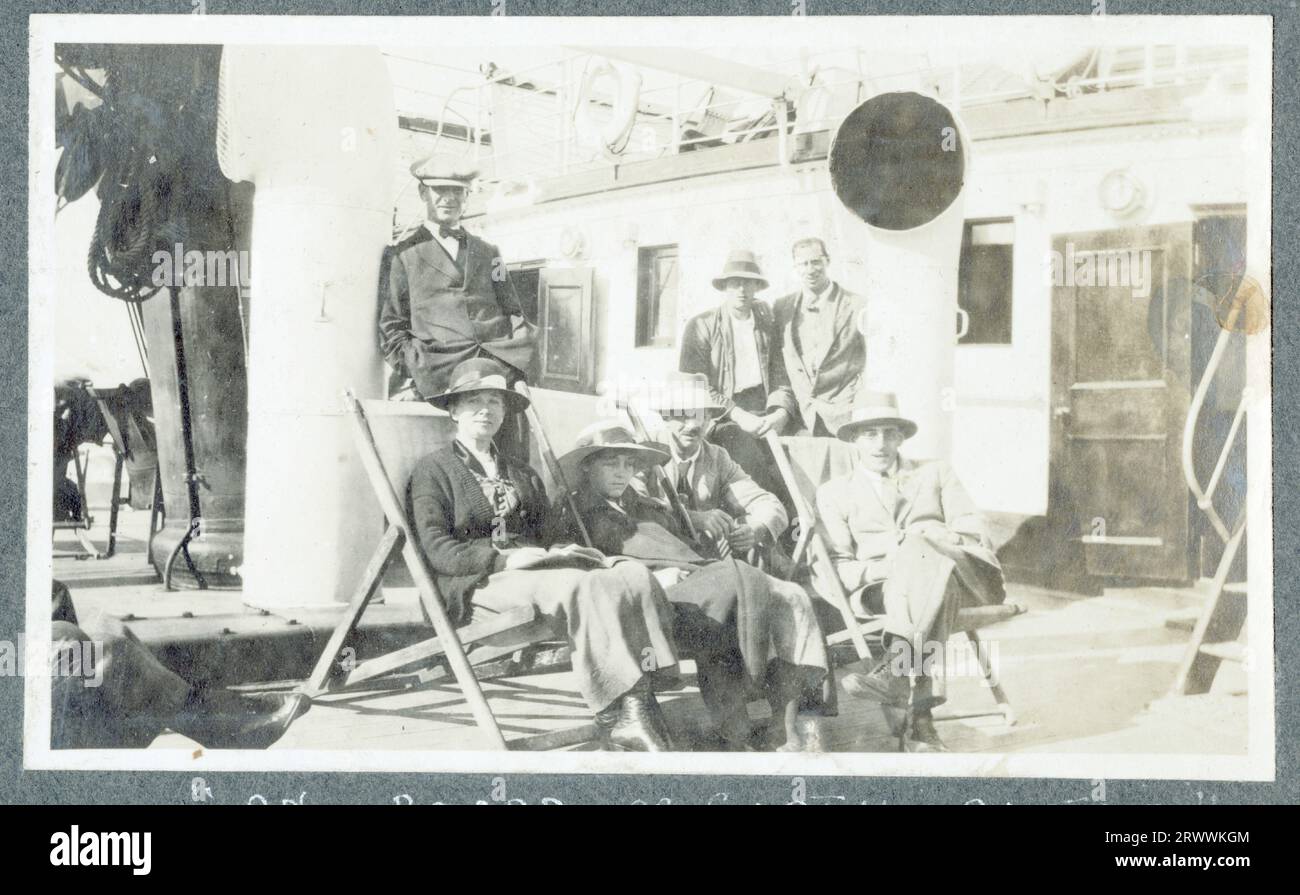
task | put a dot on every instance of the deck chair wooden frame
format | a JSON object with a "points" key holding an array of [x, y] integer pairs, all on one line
{"points": [[80, 527], [811, 546], [485, 641], [125, 434]]}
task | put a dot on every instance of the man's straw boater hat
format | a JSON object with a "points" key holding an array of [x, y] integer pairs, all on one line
{"points": [[740, 264], [480, 374], [608, 435], [875, 409], [441, 170]]}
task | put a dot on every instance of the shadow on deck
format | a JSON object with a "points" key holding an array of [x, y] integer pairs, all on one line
{"points": [[1084, 674]]}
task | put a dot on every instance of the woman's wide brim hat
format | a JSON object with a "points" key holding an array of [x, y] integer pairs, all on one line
{"points": [[875, 409], [609, 435], [740, 264], [480, 374]]}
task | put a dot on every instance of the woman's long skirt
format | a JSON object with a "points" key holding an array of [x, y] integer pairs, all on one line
{"points": [[617, 620]]}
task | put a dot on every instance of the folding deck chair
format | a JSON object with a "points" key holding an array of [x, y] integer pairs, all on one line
{"points": [[80, 525], [76, 423], [391, 437], [804, 463], [135, 447]]}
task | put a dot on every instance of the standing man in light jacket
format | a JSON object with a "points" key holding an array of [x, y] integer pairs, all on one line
{"points": [[820, 330], [736, 348]]}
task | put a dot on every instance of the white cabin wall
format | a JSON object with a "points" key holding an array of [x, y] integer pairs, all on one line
{"points": [[763, 211], [1049, 185], [1046, 184]]}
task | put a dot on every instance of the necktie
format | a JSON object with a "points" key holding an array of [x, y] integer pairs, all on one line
{"points": [[684, 490], [889, 493]]}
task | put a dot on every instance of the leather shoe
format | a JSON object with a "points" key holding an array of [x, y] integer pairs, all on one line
{"points": [[880, 685], [634, 723], [922, 737], [223, 719], [808, 735]]}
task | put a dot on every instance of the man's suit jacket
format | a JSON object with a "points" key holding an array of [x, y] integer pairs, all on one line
{"points": [[825, 387], [435, 312], [863, 533], [718, 482], [708, 347]]}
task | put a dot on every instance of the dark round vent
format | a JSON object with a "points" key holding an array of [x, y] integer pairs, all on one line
{"points": [[897, 161]]}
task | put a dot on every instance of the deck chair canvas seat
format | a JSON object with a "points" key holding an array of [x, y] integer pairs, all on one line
{"points": [[391, 437], [805, 463]]}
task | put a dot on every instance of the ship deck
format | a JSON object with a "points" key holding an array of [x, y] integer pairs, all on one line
{"points": [[1085, 675]]}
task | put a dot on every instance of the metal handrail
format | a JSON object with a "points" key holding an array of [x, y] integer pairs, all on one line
{"points": [[1205, 496]]}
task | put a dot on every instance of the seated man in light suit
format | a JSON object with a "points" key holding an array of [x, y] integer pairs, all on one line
{"points": [[908, 542]]}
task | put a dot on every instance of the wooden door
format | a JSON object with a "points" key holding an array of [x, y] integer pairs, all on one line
{"points": [[1120, 394], [568, 359]]}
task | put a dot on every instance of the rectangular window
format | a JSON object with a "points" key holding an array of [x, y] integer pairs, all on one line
{"points": [[984, 278], [526, 277], [656, 297]]}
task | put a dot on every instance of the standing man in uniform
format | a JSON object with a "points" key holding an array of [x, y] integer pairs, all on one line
{"points": [[821, 341], [445, 295]]}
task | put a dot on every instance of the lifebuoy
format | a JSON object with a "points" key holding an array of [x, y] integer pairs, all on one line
{"points": [[611, 136]]}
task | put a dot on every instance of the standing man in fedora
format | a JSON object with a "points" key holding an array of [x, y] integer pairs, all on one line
{"points": [[909, 543], [734, 346], [819, 329], [445, 295]]}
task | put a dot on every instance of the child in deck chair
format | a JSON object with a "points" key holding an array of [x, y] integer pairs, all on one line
{"points": [[907, 542], [481, 519], [748, 632]]}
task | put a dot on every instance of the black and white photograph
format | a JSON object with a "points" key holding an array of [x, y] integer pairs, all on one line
{"points": [[794, 395]]}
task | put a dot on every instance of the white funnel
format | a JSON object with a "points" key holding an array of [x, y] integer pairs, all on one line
{"points": [[315, 129]]}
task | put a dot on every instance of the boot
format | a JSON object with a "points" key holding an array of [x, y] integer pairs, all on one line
{"points": [[224, 719], [736, 732], [633, 723], [922, 737]]}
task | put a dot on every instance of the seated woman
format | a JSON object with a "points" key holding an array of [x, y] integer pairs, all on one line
{"points": [[479, 517], [748, 632]]}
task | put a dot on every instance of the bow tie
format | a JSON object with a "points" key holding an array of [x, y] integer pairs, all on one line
{"points": [[457, 233]]}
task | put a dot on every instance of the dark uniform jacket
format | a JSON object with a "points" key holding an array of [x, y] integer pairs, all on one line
{"points": [[827, 386], [436, 312], [707, 348], [455, 523]]}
